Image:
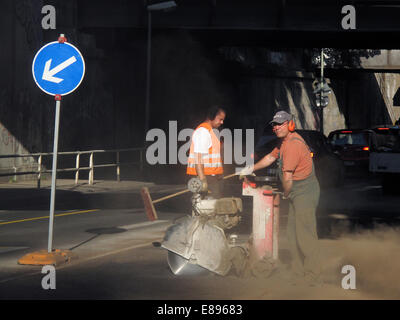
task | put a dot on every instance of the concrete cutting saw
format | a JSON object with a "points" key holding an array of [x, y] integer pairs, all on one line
{"points": [[198, 242]]}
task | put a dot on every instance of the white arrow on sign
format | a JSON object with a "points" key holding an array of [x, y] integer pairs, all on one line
{"points": [[48, 74]]}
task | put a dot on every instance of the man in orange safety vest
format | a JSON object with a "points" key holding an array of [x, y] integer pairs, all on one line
{"points": [[205, 160]]}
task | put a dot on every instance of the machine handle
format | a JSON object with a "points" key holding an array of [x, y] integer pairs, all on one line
{"points": [[272, 193], [184, 191], [229, 176], [171, 196]]}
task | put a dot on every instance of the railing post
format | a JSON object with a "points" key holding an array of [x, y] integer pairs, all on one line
{"points": [[118, 168], [77, 168], [39, 176], [91, 171]]}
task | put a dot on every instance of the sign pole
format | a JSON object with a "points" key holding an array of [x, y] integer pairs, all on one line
{"points": [[322, 92], [58, 69], [54, 172]]}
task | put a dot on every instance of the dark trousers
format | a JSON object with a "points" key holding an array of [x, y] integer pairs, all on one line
{"points": [[216, 186], [302, 227]]}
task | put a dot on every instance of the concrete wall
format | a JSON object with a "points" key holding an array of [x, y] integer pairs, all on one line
{"points": [[357, 100], [107, 110], [387, 59], [389, 84], [20, 112]]}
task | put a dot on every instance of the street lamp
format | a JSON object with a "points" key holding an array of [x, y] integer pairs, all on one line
{"points": [[321, 92], [165, 5]]}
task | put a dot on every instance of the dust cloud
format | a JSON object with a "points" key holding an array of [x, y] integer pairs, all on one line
{"points": [[374, 254]]}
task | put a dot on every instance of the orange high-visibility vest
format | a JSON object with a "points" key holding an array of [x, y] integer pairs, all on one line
{"points": [[212, 161]]}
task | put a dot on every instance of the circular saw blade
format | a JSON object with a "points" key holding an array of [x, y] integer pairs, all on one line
{"points": [[182, 266]]}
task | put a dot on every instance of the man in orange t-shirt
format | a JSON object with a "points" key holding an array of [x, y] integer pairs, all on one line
{"points": [[301, 187]]}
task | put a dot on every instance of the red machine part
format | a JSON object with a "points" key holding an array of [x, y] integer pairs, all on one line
{"points": [[265, 219]]}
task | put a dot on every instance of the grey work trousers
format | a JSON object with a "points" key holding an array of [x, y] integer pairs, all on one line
{"points": [[302, 227]]}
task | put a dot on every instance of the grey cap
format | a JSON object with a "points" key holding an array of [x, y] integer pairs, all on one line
{"points": [[281, 117]]}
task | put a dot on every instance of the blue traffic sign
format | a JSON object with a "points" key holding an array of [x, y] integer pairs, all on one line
{"points": [[58, 68]]}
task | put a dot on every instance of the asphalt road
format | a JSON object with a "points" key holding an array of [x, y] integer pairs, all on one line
{"points": [[117, 258]]}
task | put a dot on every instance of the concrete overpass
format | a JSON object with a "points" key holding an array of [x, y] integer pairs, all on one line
{"points": [[288, 23]]}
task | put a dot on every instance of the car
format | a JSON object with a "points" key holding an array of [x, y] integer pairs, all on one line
{"points": [[387, 138], [329, 168], [385, 156], [353, 147]]}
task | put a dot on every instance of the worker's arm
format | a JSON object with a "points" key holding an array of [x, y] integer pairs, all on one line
{"points": [[264, 162], [201, 144], [200, 169], [199, 165], [287, 182]]}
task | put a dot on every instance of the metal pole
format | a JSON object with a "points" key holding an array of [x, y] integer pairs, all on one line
{"points": [[148, 75], [53, 175], [322, 63], [91, 171], [39, 171], [118, 168], [322, 92], [78, 156]]}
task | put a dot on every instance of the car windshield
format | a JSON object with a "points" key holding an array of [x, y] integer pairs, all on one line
{"points": [[388, 140], [344, 138]]}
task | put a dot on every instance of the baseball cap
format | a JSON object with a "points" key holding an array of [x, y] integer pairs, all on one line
{"points": [[281, 116]]}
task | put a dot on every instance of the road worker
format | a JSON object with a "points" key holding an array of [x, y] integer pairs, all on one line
{"points": [[205, 160], [301, 188]]}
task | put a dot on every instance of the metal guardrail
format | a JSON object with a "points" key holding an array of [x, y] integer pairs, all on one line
{"points": [[77, 167]]}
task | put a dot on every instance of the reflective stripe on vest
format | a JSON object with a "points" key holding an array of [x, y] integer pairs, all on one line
{"points": [[212, 162]]}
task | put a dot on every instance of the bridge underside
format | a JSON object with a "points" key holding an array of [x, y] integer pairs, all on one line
{"points": [[279, 23]]}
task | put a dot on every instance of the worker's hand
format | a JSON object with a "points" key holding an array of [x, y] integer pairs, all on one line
{"points": [[285, 195], [204, 185], [246, 171], [246, 181]]}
